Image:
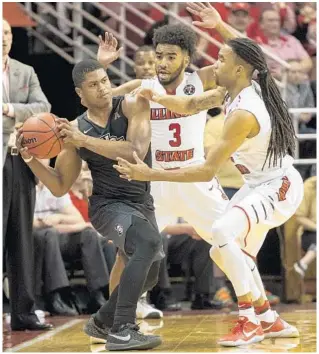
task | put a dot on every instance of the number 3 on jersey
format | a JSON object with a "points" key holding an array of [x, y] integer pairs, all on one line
{"points": [[176, 128]]}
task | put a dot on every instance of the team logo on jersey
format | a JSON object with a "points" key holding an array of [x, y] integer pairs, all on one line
{"points": [[110, 137], [119, 229], [189, 90]]}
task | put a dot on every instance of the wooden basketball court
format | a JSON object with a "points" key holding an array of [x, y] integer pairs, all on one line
{"points": [[187, 331]]}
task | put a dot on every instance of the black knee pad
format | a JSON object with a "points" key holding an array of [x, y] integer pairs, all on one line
{"points": [[143, 235]]}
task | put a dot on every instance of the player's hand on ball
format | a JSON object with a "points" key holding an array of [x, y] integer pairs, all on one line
{"points": [[19, 144], [70, 133], [139, 171], [107, 52], [209, 16]]}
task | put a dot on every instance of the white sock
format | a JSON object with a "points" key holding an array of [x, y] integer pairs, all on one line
{"points": [[143, 296], [249, 313], [304, 265], [268, 316]]}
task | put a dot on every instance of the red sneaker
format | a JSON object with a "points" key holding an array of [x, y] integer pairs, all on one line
{"points": [[279, 328], [244, 332]]}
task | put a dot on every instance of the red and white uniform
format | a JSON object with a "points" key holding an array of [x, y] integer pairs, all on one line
{"points": [[177, 142], [271, 194]]}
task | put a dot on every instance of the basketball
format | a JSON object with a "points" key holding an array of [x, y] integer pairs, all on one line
{"points": [[41, 136]]}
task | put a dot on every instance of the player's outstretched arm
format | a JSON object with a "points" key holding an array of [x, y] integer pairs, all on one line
{"points": [[138, 137], [107, 52], [60, 178], [238, 127], [126, 88], [210, 18], [188, 104]]}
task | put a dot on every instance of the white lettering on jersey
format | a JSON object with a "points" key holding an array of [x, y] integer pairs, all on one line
{"points": [[177, 139]]}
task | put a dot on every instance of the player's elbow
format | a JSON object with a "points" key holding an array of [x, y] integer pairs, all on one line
{"points": [[207, 174]]}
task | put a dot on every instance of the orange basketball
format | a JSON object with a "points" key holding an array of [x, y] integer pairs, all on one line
{"points": [[41, 137]]}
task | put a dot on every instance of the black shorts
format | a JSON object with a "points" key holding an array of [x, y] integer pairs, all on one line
{"points": [[112, 218], [308, 238]]}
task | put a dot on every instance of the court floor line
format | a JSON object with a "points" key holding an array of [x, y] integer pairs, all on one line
{"points": [[44, 336], [192, 331]]}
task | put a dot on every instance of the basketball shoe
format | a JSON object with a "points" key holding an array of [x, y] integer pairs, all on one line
{"points": [[245, 332], [278, 328]]}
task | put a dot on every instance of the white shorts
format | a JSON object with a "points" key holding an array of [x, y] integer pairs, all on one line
{"points": [[200, 204], [266, 206]]}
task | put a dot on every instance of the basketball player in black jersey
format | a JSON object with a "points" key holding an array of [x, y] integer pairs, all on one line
{"points": [[120, 210]]}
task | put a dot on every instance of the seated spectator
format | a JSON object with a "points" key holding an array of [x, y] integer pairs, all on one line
{"points": [[307, 218], [192, 252], [61, 234], [306, 26], [285, 46], [79, 193], [299, 94]]}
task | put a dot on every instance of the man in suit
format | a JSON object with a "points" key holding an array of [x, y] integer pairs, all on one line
{"points": [[22, 97]]}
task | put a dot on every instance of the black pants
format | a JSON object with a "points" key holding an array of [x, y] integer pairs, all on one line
{"points": [[308, 239], [18, 210], [53, 248], [194, 256]]}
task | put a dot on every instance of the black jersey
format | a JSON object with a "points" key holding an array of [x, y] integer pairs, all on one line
{"points": [[106, 180]]}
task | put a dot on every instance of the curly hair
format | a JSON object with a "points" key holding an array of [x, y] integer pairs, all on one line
{"points": [[82, 68], [179, 35]]}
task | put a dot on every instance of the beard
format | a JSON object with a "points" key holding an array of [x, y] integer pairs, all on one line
{"points": [[172, 77]]}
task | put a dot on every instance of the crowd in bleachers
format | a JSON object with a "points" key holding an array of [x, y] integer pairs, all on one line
{"points": [[64, 239]]}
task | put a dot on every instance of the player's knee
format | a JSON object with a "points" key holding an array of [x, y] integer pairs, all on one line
{"points": [[220, 236], [146, 235]]}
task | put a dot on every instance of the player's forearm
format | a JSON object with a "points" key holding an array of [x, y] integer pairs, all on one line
{"points": [[192, 105], [225, 31], [49, 177], [126, 88], [69, 219], [306, 223], [199, 173], [113, 149], [177, 229]]}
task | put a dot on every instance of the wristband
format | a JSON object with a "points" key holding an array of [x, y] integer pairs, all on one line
{"points": [[27, 160]]}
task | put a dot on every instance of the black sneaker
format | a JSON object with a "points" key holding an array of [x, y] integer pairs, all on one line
{"points": [[128, 337], [95, 331]]}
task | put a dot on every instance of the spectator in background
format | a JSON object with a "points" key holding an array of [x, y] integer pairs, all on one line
{"points": [[238, 16], [144, 62], [21, 98], [61, 234], [307, 218], [188, 249], [285, 46], [299, 93], [79, 194]]}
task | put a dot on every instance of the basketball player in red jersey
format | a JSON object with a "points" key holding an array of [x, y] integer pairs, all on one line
{"points": [[259, 137]]}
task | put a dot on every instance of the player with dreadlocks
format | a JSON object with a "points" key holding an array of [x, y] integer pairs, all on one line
{"points": [[259, 137]]}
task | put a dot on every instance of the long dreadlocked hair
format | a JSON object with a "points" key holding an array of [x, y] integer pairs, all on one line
{"points": [[282, 138]]}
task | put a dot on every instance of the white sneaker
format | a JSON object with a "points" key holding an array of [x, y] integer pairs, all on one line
{"points": [[145, 310]]}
